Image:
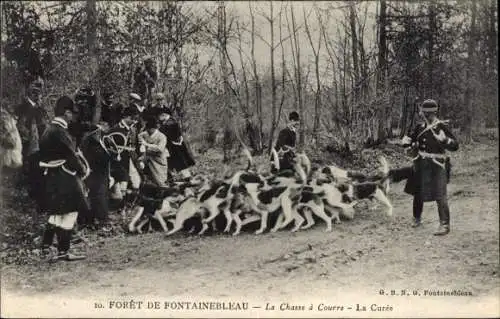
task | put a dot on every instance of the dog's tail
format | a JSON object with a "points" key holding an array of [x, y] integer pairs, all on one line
{"points": [[384, 169], [250, 159], [275, 160], [301, 172]]}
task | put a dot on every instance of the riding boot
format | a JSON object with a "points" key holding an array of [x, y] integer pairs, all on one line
{"points": [[64, 239], [418, 206], [48, 236], [444, 217], [442, 230]]}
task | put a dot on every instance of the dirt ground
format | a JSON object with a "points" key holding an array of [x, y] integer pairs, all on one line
{"points": [[347, 267]]}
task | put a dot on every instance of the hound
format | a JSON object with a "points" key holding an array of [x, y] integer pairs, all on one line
{"points": [[213, 198], [377, 188]]}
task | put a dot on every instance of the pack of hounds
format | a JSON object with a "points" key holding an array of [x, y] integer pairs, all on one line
{"points": [[298, 197]]}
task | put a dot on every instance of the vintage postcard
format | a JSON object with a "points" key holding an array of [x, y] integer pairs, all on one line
{"points": [[249, 159]]}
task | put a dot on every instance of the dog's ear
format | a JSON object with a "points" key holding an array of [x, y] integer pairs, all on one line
{"points": [[342, 188], [346, 199]]}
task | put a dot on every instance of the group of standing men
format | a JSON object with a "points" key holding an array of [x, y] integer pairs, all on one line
{"points": [[75, 167]]}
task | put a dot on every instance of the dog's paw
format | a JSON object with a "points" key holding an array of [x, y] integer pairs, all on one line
{"points": [[260, 231], [306, 226], [203, 230], [328, 230], [236, 233]]}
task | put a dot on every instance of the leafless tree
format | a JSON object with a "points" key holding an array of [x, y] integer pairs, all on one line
{"points": [[317, 93]]}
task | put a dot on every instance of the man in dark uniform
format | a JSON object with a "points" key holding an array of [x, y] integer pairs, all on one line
{"points": [[285, 145], [180, 159], [86, 101], [124, 134], [31, 124], [96, 149], [145, 79], [428, 178], [108, 110], [28, 60], [154, 109], [64, 171], [135, 100]]}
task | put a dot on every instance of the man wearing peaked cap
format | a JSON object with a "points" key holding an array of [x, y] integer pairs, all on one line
{"points": [[120, 169], [285, 145], [64, 169], [109, 109], [428, 178], [32, 121], [181, 158], [86, 105], [99, 153], [154, 148], [145, 78], [135, 101], [64, 103]]}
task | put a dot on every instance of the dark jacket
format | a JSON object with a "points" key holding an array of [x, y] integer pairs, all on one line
{"points": [[180, 154], [98, 181], [285, 146], [431, 167], [32, 122], [422, 139], [64, 189]]}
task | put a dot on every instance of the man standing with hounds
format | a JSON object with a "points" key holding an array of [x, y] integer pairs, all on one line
{"points": [[154, 148], [180, 159], [64, 169], [427, 181], [32, 121], [123, 134], [286, 143]]}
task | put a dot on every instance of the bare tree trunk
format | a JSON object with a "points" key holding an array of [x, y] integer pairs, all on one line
{"points": [[431, 56], [384, 114], [284, 70], [405, 111], [354, 43], [222, 35], [317, 94], [274, 123], [92, 49], [493, 34], [249, 124], [298, 80], [470, 78], [257, 85]]}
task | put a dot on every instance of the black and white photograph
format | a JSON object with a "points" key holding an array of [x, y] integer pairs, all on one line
{"points": [[249, 159]]}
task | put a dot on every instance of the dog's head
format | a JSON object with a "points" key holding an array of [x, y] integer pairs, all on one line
{"points": [[335, 173], [251, 178], [347, 191]]}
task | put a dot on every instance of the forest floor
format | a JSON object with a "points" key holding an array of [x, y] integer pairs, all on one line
{"points": [[347, 267]]}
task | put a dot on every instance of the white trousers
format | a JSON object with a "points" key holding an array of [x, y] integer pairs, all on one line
{"points": [[66, 221]]}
